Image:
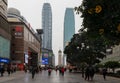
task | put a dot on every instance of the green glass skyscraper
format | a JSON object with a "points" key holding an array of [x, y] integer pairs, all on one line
{"points": [[69, 28]]}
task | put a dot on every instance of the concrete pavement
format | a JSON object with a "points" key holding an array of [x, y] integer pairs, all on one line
{"points": [[12, 76], [21, 77]]}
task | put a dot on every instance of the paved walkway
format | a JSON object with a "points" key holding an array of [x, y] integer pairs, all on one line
{"points": [[13, 76], [21, 77]]}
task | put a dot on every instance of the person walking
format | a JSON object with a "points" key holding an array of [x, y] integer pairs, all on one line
{"points": [[82, 72], [56, 69], [62, 71], [49, 71], [104, 72], [8, 70], [87, 73], [25, 69], [33, 72], [91, 72]]}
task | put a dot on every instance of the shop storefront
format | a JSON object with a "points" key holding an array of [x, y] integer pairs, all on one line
{"points": [[4, 50]]}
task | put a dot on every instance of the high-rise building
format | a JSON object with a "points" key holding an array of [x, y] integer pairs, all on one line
{"points": [[47, 52], [47, 26], [25, 46], [69, 28], [5, 36]]}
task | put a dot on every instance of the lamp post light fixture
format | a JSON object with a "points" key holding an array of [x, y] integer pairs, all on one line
{"points": [[78, 47], [87, 47], [83, 45], [108, 50]]}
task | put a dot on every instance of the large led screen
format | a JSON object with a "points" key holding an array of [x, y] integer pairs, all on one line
{"points": [[44, 59]]}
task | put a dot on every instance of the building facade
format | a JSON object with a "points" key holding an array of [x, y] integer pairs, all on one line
{"points": [[47, 57], [69, 28], [47, 26], [5, 36], [25, 46], [47, 34], [39, 36], [3, 7]]}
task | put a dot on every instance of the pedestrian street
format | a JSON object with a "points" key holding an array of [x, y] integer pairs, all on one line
{"points": [[22, 77]]}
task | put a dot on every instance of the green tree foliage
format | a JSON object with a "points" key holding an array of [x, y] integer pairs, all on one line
{"points": [[81, 49], [112, 65], [101, 18]]}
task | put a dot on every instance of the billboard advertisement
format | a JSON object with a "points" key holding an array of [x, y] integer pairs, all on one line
{"points": [[45, 59], [3, 60]]}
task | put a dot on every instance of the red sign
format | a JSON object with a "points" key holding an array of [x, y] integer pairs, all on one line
{"points": [[18, 29]]}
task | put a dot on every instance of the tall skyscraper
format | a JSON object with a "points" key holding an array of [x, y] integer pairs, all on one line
{"points": [[69, 28], [47, 52], [69, 25], [47, 26]]}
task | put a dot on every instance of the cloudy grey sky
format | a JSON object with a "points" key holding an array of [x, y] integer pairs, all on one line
{"points": [[31, 10]]}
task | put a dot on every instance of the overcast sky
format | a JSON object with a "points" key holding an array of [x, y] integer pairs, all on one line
{"points": [[32, 11]]}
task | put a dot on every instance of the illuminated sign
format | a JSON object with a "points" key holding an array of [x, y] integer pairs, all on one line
{"points": [[44, 61], [18, 29], [4, 60]]}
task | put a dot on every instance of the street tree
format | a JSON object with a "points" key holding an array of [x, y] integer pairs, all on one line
{"points": [[82, 49], [112, 65], [101, 19]]}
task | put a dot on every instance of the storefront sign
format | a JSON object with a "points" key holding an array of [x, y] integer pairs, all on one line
{"points": [[3, 60]]}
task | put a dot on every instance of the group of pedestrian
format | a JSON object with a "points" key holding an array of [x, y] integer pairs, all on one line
{"points": [[9, 69], [89, 73], [62, 70]]}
